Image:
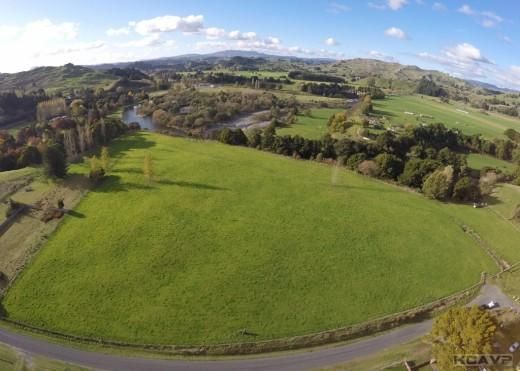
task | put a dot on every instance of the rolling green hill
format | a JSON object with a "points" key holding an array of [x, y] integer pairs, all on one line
{"points": [[227, 238], [64, 77]]}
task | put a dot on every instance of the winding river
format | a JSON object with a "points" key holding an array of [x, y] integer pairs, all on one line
{"points": [[248, 121], [130, 115]]}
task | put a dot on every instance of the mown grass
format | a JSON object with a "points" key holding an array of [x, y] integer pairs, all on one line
{"points": [[478, 161], [310, 127], [228, 238], [490, 125]]}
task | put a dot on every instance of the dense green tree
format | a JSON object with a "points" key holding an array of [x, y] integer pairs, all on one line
{"points": [[466, 189], [54, 161], [461, 331], [437, 185], [29, 156], [390, 166], [427, 86], [235, 137], [416, 170]]}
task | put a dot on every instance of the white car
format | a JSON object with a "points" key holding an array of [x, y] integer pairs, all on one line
{"points": [[513, 348], [490, 305]]}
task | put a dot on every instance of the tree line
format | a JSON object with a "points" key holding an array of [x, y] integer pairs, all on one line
{"points": [[430, 158]]}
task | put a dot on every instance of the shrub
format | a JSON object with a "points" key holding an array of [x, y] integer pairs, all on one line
{"points": [[356, 159], [437, 185], [369, 168], [97, 173]]}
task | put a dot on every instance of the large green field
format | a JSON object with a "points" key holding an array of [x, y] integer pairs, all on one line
{"points": [[310, 127], [228, 238], [464, 118]]}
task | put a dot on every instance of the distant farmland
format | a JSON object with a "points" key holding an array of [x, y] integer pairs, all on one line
{"points": [[313, 127], [228, 238], [399, 110]]}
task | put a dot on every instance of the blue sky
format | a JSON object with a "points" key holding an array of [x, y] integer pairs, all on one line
{"points": [[471, 39]]}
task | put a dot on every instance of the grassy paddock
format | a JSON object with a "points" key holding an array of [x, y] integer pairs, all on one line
{"points": [[229, 238], [478, 161], [311, 127], [490, 125]]}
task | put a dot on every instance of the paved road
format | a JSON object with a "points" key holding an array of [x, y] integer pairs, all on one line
{"points": [[294, 361]]}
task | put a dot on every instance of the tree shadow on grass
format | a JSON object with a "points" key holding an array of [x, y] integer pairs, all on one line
{"points": [[3, 311], [113, 184], [137, 141], [75, 214], [380, 112], [379, 190], [181, 183]]}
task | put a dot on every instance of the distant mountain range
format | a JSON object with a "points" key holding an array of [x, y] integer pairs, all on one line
{"points": [[485, 85], [400, 78]]}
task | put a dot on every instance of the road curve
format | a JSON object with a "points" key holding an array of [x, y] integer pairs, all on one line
{"points": [[294, 361]]}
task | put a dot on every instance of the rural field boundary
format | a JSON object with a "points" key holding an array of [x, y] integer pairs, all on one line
{"points": [[370, 327], [502, 264]]}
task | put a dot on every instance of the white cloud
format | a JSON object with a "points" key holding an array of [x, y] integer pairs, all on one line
{"points": [[396, 4], [33, 43], [466, 9], [271, 45], [213, 33], [465, 61], [237, 35], [74, 48], [117, 31], [8, 32], [273, 40], [169, 23], [377, 6], [466, 52], [331, 41], [337, 8], [147, 41], [439, 7], [45, 30], [486, 18], [396, 32]]}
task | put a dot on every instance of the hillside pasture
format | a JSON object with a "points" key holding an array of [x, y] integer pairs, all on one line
{"points": [[228, 238], [310, 127], [419, 109], [477, 161]]}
